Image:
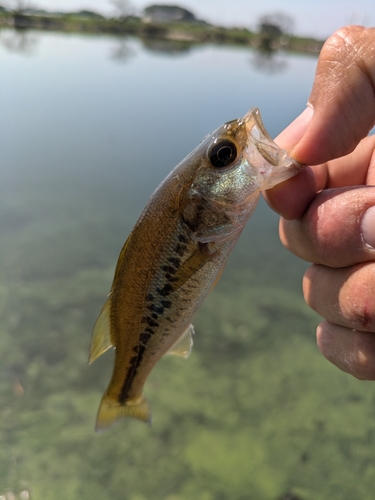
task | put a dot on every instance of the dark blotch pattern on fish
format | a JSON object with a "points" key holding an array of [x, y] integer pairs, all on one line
{"points": [[171, 278], [166, 290], [175, 261], [151, 321], [133, 365], [169, 269], [144, 338], [181, 246], [155, 310], [180, 249]]}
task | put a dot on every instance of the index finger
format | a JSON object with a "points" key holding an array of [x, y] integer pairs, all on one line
{"points": [[292, 197]]}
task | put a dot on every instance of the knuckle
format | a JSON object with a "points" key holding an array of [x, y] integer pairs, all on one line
{"points": [[364, 357], [356, 300], [363, 318], [352, 351]]}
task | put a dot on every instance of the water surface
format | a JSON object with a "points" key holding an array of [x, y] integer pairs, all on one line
{"points": [[89, 126]]}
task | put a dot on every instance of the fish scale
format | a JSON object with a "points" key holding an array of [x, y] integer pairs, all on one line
{"points": [[175, 254]]}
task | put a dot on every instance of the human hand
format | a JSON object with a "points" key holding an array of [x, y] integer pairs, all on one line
{"points": [[328, 210]]}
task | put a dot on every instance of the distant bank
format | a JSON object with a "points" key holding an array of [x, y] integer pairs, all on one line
{"points": [[176, 26]]}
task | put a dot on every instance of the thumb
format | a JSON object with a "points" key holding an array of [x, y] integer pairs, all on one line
{"points": [[342, 99]]}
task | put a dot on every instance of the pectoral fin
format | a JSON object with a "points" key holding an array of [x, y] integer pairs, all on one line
{"points": [[101, 337], [184, 344], [188, 268]]}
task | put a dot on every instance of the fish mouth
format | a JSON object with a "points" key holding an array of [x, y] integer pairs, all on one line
{"points": [[273, 164]]}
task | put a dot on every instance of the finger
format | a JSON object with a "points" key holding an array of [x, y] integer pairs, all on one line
{"points": [[351, 351], [342, 97], [291, 198], [354, 169], [337, 230], [343, 296]]}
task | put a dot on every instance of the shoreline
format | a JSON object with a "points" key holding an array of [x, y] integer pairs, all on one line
{"points": [[193, 33]]}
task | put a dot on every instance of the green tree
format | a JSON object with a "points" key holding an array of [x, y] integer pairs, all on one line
{"points": [[272, 27]]}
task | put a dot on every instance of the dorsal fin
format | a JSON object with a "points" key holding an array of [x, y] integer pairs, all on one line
{"points": [[184, 344], [101, 337]]}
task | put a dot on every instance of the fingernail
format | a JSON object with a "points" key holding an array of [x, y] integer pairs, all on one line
{"points": [[294, 132], [368, 227]]}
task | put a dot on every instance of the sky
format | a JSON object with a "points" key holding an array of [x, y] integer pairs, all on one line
{"points": [[318, 18]]}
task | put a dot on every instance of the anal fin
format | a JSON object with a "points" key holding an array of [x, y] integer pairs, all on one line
{"points": [[101, 337], [184, 344]]}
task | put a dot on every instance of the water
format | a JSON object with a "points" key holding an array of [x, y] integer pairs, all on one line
{"points": [[89, 126]]}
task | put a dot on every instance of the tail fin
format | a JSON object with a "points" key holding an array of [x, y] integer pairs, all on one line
{"points": [[111, 410]]}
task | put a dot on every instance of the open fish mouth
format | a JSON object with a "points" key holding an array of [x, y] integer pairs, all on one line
{"points": [[264, 154]]}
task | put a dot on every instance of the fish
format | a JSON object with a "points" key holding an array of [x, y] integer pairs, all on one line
{"points": [[176, 253]]}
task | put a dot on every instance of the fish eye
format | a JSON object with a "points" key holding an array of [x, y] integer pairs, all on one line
{"points": [[222, 154]]}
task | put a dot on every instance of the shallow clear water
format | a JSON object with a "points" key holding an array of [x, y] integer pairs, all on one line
{"points": [[89, 125]]}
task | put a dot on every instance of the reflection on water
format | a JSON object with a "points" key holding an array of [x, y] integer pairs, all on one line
{"points": [[255, 412], [122, 50], [166, 46], [19, 41], [263, 59], [269, 61]]}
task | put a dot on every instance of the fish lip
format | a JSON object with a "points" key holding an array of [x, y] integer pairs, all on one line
{"points": [[258, 135], [270, 160]]}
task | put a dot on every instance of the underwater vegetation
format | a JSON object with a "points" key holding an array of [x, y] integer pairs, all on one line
{"points": [[255, 413]]}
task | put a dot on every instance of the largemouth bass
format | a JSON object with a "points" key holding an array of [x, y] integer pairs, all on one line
{"points": [[175, 254]]}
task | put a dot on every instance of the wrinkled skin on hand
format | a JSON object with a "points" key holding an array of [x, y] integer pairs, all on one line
{"points": [[328, 210]]}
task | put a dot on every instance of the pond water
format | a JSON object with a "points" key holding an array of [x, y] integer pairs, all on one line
{"points": [[89, 125]]}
